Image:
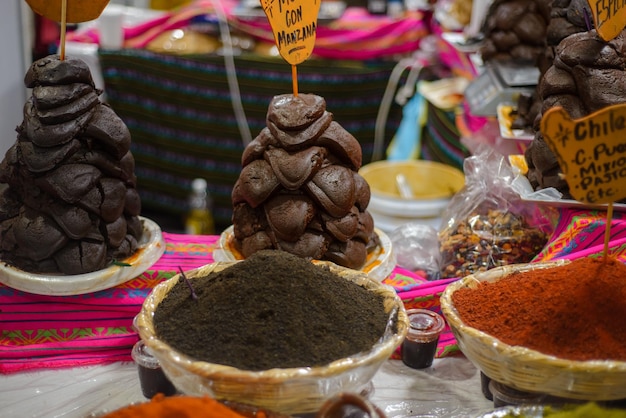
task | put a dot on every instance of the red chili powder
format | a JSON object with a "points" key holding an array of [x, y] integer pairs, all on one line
{"points": [[576, 311]]}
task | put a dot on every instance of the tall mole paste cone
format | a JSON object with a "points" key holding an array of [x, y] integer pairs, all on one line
{"points": [[299, 189], [71, 205]]}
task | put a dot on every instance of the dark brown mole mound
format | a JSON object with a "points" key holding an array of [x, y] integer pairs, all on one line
{"points": [[71, 205], [299, 189], [272, 310]]}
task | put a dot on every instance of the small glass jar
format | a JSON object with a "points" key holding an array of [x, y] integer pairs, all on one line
{"points": [[151, 376], [420, 345]]}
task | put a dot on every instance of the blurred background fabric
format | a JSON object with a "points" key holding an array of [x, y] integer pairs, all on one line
{"points": [[181, 119]]}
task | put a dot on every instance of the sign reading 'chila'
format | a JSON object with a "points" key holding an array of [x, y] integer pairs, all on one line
{"points": [[591, 152], [294, 24]]}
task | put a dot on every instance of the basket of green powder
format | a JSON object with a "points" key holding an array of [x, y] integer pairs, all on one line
{"points": [[275, 330]]}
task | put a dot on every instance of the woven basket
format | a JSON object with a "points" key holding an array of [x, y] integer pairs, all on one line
{"points": [[290, 390], [529, 370]]}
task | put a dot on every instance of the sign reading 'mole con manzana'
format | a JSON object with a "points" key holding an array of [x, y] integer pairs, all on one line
{"points": [[294, 24]]}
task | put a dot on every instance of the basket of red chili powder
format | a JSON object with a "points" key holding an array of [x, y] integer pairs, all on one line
{"points": [[557, 328]]}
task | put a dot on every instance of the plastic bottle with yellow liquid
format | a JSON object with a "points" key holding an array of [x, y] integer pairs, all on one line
{"points": [[199, 220]]}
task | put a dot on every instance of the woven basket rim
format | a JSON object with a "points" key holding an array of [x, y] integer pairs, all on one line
{"points": [[504, 358], [382, 349]]}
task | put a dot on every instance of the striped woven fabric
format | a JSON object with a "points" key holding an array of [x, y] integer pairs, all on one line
{"points": [[40, 332], [179, 112], [357, 35], [581, 233], [441, 138]]}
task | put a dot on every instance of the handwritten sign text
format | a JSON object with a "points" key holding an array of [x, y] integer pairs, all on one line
{"points": [[609, 17], [591, 152], [294, 24]]}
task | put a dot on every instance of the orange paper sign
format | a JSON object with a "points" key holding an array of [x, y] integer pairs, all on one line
{"points": [[77, 10], [591, 152], [294, 24], [609, 17]]}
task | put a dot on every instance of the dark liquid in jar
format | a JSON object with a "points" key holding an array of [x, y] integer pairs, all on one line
{"points": [[154, 381], [419, 355]]}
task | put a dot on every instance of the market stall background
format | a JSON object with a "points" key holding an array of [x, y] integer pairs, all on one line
{"points": [[182, 123], [178, 111], [187, 119]]}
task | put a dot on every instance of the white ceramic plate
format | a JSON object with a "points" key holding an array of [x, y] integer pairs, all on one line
{"points": [[378, 267], [575, 204], [550, 197], [510, 411], [151, 248]]}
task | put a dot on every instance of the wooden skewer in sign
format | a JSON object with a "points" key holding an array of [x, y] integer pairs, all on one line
{"points": [[63, 29], [592, 155], [68, 11], [294, 25]]}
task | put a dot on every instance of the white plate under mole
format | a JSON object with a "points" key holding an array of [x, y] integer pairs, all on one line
{"points": [[379, 264], [151, 248]]}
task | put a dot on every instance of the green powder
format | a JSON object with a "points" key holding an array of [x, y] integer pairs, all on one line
{"points": [[588, 410], [272, 310]]}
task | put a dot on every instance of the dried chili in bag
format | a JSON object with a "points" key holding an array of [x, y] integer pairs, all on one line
{"points": [[487, 224]]}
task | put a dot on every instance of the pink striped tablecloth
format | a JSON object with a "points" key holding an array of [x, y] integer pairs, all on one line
{"points": [[96, 328], [66, 331]]}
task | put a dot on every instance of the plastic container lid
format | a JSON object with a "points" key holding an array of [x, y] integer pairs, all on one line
{"points": [[199, 185], [424, 324], [142, 355]]}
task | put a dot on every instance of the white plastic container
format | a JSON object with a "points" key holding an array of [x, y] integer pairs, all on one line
{"points": [[431, 186]]}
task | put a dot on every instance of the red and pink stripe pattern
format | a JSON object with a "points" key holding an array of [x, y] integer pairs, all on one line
{"points": [[39, 332]]}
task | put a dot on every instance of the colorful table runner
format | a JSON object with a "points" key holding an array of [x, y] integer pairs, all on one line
{"points": [[65, 331], [96, 328], [580, 233]]}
